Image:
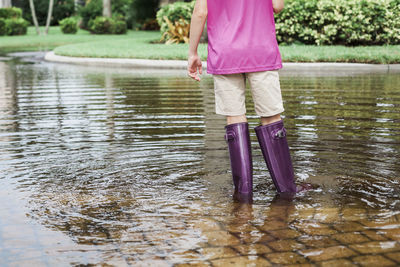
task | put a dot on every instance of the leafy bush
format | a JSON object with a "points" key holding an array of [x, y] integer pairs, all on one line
{"points": [[90, 11], [293, 23], [3, 27], [120, 27], [16, 26], [11, 22], [69, 25], [174, 12], [105, 25], [391, 25], [10, 13], [178, 32], [94, 9], [62, 9], [180, 12], [122, 9], [150, 25], [346, 22], [142, 14], [102, 25], [134, 12]]}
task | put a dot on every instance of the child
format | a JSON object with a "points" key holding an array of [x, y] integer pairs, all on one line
{"points": [[242, 45]]}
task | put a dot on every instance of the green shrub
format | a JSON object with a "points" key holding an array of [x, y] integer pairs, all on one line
{"points": [[90, 11], [174, 12], [295, 22], [120, 27], [10, 13], [94, 9], [69, 25], [391, 24], [16, 26], [61, 9], [142, 13], [346, 22], [122, 9], [102, 25], [11, 21], [3, 27], [150, 25]]}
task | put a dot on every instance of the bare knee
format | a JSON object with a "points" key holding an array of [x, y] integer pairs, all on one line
{"points": [[235, 119], [269, 120]]}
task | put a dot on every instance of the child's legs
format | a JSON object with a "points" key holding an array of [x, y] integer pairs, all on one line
{"points": [[235, 119], [267, 97], [230, 97], [269, 120]]}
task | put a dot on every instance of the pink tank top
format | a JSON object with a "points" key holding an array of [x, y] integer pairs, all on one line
{"points": [[241, 37]]}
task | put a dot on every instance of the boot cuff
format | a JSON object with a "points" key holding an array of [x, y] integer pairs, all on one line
{"points": [[236, 125], [271, 125]]}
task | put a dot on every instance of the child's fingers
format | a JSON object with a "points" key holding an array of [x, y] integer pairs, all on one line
{"points": [[200, 68], [194, 76]]}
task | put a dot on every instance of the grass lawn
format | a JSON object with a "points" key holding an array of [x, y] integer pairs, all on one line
{"points": [[138, 44], [135, 45], [33, 42]]}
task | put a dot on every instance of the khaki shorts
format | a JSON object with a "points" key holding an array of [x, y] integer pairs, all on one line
{"points": [[265, 89]]}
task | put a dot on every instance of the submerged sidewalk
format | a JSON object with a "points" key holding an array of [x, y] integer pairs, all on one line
{"points": [[182, 64]]}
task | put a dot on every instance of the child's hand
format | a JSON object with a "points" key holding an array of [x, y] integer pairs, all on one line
{"points": [[194, 64]]}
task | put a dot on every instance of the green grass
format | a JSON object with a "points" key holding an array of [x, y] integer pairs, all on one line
{"points": [[135, 45], [140, 44], [360, 54], [33, 42]]}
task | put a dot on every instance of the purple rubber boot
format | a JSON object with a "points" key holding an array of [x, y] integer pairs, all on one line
{"points": [[238, 138], [275, 149]]}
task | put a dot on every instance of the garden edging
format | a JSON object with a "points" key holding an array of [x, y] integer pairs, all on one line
{"points": [[182, 64]]}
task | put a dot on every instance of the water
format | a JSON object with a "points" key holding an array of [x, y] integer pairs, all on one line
{"points": [[129, 167]]}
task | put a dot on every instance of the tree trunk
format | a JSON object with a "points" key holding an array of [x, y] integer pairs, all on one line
{"points": [[49, 15], [107, 8], [34, 16], [5, 3]]}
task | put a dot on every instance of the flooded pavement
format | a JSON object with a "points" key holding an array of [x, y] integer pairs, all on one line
{"points": [[112, 167]]}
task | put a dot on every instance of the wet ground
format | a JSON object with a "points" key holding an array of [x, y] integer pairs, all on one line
{"points": [[113, 167]]}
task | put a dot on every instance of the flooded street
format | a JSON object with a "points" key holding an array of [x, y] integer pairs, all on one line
{"points": [[122, 167]]}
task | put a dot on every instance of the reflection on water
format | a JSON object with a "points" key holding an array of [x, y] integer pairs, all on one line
{"points": [[129, 168]]}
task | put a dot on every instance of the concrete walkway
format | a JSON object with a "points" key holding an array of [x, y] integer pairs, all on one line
{"points": [[182, 64]]}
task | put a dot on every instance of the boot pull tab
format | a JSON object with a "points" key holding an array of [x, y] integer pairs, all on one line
{"points": [[279, 134], [229, 136]]}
